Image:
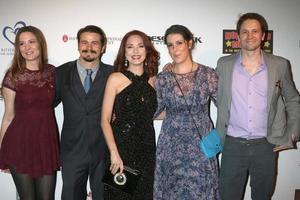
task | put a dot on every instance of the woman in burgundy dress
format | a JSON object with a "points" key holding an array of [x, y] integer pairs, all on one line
{"points": [[28, 136]]}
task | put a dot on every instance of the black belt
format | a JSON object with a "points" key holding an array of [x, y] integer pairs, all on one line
{"points": [[246, 141]]}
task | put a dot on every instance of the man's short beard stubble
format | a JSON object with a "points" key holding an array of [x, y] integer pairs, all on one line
{"points": [[87, 59]]}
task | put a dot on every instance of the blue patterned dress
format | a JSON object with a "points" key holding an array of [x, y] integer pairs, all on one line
{"points": [[182, 171]]}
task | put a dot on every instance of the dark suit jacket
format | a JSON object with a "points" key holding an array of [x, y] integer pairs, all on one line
{"points": [[81, 132], [283, 101]]}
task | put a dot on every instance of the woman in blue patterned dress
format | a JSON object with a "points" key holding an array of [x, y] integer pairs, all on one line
{"points": [[182, 171]]}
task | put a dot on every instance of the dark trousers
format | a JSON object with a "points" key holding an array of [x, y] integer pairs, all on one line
{"points": [[242, 158], [75, 175]]}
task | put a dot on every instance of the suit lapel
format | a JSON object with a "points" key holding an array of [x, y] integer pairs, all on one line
{"points": [[98, 85], [76, 85], [271, 79], [229, 74], [95, 83]]}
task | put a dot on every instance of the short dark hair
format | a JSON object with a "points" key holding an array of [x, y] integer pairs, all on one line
{"points": [[255, 16], [182, 30], [93, 29]]}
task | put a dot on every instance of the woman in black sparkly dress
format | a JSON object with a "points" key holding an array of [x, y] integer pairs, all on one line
{"points": [[130, 95]]}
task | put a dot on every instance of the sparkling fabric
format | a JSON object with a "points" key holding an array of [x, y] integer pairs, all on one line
{"points": [[182, 171], [134, 134], [31, 140]]}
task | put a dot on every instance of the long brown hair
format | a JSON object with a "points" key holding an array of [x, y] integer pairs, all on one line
{"points": [[152, 55], [18, 63]]}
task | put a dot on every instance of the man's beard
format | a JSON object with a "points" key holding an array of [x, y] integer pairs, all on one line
{"points": [[89, 59]]}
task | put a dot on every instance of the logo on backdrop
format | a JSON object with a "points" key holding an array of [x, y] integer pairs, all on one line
{"points": [[159, 40], [9, 34], [231, 43], [67, 38], [110, 40], [155, 39]]}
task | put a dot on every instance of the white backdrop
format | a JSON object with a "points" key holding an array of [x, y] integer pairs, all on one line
{"points": [[206, 19]]}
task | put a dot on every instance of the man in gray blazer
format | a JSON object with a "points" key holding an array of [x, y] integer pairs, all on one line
{"points": [[258, 113], [80, 87]]}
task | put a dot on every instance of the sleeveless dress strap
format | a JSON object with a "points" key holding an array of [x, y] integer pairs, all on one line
{"points": [[134, 78]]}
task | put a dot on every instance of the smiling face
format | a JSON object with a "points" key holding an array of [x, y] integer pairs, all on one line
{"points": [[135, 51], [179, 48], [251, 35], [90, 47], [29, 47]]}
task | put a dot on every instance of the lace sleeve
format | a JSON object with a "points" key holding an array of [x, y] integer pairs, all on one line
{"points": [[9, 82], [213, 84], [51, 69], [159, 85]]}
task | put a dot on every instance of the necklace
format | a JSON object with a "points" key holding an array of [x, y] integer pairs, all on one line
{"points": [[191, 69]]}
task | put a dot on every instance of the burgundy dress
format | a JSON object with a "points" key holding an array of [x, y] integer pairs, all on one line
{"points": [[30, 143]]}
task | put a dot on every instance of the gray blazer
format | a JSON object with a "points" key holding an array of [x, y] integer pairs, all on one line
{"points": [[81, 132], [283, 103]]}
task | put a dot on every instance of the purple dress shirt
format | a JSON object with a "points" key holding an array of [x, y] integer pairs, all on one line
{"points": [[248, 113]]}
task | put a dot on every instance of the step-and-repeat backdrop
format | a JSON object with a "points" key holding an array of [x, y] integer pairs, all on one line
{"points": [[212, 22]]}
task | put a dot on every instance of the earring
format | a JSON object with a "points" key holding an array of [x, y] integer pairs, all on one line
{"points": [[145, 63], [126, 63]]}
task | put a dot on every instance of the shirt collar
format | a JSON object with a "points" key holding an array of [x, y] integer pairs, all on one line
{"points": [[82, 69], [262, 61]]}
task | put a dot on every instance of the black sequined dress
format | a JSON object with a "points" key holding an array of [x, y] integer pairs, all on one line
{"points": [[134, 134]]}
